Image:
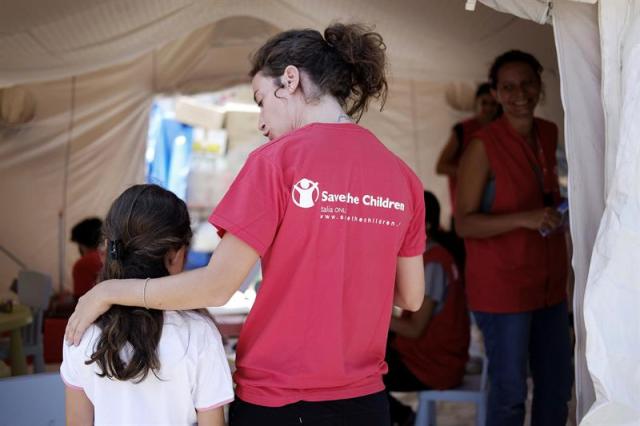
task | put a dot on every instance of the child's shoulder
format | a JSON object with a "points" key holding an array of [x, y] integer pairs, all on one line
{"points": [[194, 323], [78, 355], [89, 339]]}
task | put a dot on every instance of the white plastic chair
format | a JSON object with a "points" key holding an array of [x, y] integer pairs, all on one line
{"points": [[473, 389], [32, 400], [34, 290]]}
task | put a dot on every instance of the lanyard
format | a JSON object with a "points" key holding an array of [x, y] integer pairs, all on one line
{"points": [[539, 166]]}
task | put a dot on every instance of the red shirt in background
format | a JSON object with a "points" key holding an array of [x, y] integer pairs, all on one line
{"points": [[329, 209], [85, 272]]}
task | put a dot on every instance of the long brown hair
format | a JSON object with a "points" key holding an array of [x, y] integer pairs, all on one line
{"points": [[348, 62], [143, 224]]}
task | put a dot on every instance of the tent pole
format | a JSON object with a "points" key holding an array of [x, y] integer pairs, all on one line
{"points": [[62, 216]]}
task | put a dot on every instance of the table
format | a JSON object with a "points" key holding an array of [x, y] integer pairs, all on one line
{"points": [[239, 304], [232, 315], [13, 322]]}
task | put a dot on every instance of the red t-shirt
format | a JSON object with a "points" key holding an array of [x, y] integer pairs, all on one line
{"points": [[85, 272], [329, 209]]}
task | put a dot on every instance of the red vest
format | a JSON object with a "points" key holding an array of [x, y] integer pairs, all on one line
{"points": [[469, 128], [439, 356], [519, 270]]}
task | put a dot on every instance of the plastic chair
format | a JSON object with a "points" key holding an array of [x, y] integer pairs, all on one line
{"points": [[32, 400], [472, 389], [34, 290]]}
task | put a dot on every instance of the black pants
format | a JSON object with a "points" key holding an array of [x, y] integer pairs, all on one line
{"points": [[400, 379], [369, 410]]}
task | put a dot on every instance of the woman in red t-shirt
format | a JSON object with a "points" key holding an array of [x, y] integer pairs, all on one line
{"points": [[336, 220], [516, 266]]}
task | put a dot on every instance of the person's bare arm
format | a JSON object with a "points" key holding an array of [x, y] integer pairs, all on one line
{"points": [[413, 326], [447, 164], [473, 173], [409, 289], [212, 285], [78, 407], [213, 417]]}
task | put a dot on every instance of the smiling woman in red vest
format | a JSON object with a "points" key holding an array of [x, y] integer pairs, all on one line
{"points": [[516, 269]]}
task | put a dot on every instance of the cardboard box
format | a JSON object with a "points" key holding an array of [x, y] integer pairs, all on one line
{"points": [[191, 112]]}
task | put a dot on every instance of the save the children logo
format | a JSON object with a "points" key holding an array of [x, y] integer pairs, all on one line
{"points": [[305, 193]]}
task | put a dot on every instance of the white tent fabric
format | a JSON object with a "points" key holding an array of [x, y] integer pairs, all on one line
{"points": [[50, 40], [46, 41], [577, 41], [613, 294], [536, 10]]}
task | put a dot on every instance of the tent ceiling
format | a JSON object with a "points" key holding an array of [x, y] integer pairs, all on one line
{"points": [[46, 40]]}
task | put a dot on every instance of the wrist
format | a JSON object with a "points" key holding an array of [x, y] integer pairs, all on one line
{"points": [[522, 220], [104, 292]]}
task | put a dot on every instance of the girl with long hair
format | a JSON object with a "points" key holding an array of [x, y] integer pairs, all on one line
{"points": [[146, 366]]}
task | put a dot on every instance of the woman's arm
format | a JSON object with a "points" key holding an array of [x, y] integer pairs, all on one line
{"points": [[473, 173], [213, 417], [413, 326], [447, 164], [78, 407], [409, 289], [212, 285]]}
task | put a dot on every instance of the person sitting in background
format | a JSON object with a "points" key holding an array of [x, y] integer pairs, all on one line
{"points": [[429, 348], [87, 234]]}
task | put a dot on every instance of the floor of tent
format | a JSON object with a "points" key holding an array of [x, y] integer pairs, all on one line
{"points": [[463, 414], [449, 413]]}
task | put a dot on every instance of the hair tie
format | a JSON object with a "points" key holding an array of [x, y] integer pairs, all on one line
{"points": [[115, 249]]}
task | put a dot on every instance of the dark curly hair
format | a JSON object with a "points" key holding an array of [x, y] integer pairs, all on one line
{"points": [[510, 57], [348, 62]]}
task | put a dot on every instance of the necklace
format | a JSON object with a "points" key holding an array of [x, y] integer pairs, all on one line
{"points": [[342, 118]]}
